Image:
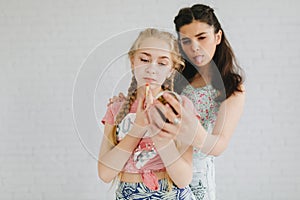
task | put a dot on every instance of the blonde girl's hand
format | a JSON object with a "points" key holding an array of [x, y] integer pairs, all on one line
{"points": [[121, 97], [186, 125], [149, 98], [143, 104], [141, 117]]}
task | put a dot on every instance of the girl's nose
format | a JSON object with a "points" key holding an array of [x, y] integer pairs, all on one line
{"points": [[195, 46], [151, 68]]}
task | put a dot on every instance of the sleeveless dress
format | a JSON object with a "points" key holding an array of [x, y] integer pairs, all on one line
{"points": [[203, 183]]}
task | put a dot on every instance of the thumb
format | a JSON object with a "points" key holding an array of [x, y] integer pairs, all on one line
{"points": [[187, 104], [149, 98], [140, 106]]}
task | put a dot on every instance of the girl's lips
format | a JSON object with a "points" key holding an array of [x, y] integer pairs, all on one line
{"points": [[149, 80], [198, 59]]}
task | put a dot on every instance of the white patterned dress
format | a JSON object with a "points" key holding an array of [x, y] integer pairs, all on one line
{"points": [[203, 184]]}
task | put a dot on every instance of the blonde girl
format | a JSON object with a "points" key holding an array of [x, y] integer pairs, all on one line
{"points": [[146, 165]]}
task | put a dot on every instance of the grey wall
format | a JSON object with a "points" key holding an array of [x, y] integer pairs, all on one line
{"points": [[43, 44]]}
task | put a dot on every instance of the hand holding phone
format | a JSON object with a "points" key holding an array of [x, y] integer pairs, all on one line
{"points": [[161, 98]]}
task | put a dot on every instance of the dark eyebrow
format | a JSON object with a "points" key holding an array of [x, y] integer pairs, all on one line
{"points": [[199, 34]]}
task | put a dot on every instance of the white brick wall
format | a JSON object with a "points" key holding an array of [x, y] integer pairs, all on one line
{"points": [[43, 44]]}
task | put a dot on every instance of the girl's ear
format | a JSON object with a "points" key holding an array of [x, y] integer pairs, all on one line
{"points": [[219, 37]]}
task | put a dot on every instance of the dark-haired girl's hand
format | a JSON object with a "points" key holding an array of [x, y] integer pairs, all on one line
{"points": [[182, 126], [119, 98]]}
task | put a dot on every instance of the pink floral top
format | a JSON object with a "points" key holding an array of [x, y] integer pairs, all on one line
{"points": [[145, 159]]}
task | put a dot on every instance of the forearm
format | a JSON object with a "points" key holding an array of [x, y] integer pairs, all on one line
{"points": [[179, 169], [227, 120], [209, 144], [113, 160]]}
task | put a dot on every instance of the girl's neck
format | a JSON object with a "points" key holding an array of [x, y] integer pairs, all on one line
{"points": [[203, 77]]}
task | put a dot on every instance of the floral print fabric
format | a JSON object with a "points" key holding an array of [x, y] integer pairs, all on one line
{"points": [[203, 184]]}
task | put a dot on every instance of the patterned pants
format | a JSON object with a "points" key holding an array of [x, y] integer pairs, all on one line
{"points": [[138, 191]]}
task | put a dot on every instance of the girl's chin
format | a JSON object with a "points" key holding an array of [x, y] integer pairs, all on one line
{"points": [[202, 64], [152, 85], [155, 86]]}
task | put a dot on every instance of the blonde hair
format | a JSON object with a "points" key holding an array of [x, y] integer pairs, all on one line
{"points": [[177, 64], [169, 82]]}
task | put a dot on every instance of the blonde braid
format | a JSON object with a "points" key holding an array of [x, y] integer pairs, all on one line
{"points": [[131, 97]]}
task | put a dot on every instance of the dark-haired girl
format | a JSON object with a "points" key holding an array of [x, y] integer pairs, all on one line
{"points": [[212, 80]]}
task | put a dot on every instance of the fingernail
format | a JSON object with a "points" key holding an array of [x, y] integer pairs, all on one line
{"points": [[147, 89]]}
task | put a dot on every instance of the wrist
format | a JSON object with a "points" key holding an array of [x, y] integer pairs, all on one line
{"points": [[161, 143], [137, 131], [168, 152], [200, 137]]}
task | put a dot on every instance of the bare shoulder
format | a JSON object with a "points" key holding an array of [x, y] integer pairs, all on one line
{"points": [[237, 98], [239, 94], [242, 88]]}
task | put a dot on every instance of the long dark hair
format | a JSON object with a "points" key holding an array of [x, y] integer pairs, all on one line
{"points": [[224, 58]]}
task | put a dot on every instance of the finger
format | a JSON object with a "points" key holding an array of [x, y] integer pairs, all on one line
{"points": [[115, 99], [166, 110], [165, 135], [171, 129], [187, 104], [109, 102], [155, 117], [149, 98], [141, 101], [173, 102], [153, 130], [121, 96], [162, 125]]}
